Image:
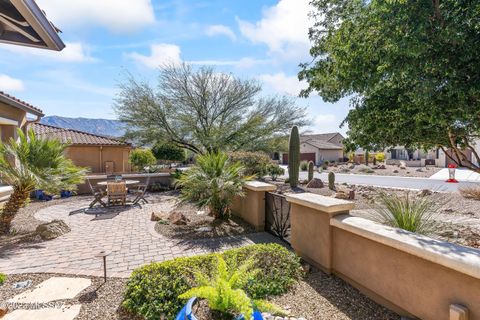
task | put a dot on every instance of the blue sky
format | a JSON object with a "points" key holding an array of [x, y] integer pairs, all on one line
{"points": [[261, 39]]}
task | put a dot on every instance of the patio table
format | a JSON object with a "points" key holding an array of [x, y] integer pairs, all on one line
{"points": [[127, 182]]}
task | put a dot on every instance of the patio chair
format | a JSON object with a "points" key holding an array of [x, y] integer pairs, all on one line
{"points": [[117, 192], [98, 193], [141, 191]]}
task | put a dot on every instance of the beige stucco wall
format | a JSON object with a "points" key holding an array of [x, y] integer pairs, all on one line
{"points": [[11, 113], [94, 157], [403, 281]]}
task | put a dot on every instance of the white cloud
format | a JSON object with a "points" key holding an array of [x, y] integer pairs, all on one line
{"points": [[9, 84], [326, 123], [165, 53], [122, 16], [283, 28], [282, 83], [73, 52], [160, 54], [220, 30]]}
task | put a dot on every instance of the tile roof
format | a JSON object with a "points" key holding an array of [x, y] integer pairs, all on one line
{"points": [[15, 102], [321, 141], [74, 137], [319, 136], [323, 144]]}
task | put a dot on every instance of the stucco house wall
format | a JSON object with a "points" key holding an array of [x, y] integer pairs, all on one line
{"points": [[96, 157], [8, 115]]}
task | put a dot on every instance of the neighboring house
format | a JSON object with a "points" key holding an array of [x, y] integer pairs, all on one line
{"points": [[98, 153], [319, 148]]}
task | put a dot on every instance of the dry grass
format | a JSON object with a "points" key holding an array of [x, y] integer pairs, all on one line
{"points": [[470, 192]]}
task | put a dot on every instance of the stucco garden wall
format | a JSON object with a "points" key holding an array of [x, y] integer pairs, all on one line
{"points": [[95, 157]]}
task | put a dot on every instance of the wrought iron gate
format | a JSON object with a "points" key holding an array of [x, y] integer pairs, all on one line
{"points": [[277, 215]]}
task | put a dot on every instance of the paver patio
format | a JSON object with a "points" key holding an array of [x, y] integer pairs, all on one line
{"points": [[126, 233]]}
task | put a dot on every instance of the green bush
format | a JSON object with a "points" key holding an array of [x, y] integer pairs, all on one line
{"points": [[274, 170], [255, 163], [141, 158], [304, 165], [3, 278], [168, 152], [153, 290], [380, 157]]}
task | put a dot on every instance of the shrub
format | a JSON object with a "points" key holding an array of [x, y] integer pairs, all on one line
{"points": [[255, 163], [274, 170], [153, 290], [380, 157], [470, 192], [168, 152], [213, 183], [141, 158], [304, 165], [406, 212], [224, 290], [3, 278]]}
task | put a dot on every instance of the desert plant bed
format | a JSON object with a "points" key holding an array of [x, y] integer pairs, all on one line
{"points": [[192, 223]]}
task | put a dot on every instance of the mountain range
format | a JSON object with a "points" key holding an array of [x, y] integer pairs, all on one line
{"points": [[104, 127]]}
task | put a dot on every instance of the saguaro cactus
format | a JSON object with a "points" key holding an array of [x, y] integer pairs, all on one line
{"points": [[310, 171], [294, 157], [331, 180]]}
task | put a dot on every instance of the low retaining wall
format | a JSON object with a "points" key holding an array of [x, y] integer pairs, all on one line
{"points": [[162, 178], [411, 274]]}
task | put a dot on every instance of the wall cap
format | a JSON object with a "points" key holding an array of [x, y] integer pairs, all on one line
{"points": [[321, 203], [462, 259], [131, 175], [259, 186]]}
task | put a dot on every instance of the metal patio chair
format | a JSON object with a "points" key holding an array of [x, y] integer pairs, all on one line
{"points": [[98, 194], [141, 191]]}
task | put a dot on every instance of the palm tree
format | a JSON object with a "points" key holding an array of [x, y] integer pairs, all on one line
{"points": [[213, 183], [30, 163]]}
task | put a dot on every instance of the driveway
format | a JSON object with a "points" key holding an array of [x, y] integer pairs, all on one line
{"points": [[390, 181], [127, 235]]}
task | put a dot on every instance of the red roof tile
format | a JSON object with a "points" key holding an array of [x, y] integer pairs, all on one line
{"points": [[9, 98], [74, 137]]}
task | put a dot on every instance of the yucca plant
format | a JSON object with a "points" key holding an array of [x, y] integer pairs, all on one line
{"points": [[411, 213], [29, 163], [224, 291], [213, 183]]}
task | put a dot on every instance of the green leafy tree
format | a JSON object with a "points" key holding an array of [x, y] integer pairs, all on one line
{"points": [[213, 183], [168, 152], [410, 68], [224, 291], [30, 163], [205, 111], [255, 163], [141, 158]]}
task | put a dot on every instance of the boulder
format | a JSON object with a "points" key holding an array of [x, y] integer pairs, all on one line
{"points": [[402, 165], [345, 194], [315, 183], [157, 216], [351, 166], [52, 230], [395, 171], [424, 193], [178, 218], [382, 166]]}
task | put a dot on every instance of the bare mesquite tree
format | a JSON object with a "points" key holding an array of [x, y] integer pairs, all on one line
{"points": [[204, 110]]}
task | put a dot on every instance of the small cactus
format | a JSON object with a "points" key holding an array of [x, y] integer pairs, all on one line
{"points": [[374, 161], [310, 171], [294, 157], [331, 180]]}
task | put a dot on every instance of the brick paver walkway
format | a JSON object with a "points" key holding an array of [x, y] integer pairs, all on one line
{"points": [[127, 234]]}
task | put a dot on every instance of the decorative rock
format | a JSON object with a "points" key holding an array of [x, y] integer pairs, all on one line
{"points": [[424, 193], [382, 166], [52, 230], [419, 170], [352, 166], [315, 183], [157, 216], [178, 218], [395, 171]]}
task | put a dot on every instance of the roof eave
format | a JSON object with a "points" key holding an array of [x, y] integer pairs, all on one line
{"points": [[38, 21], [21, 106]]}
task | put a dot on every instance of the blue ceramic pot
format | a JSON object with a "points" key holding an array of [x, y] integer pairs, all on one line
{"points": [[187, 314]]}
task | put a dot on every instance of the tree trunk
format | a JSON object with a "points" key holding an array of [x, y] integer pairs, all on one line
{"points": [[15, 202]]}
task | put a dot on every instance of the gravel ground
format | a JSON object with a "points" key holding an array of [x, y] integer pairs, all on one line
{"points": [[320, 296], [390, 170], [99, 301]]}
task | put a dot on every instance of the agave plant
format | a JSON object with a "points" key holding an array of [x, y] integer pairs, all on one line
{"points": [[411, 213], [224, 292], [213, 183], [30, 163]]}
